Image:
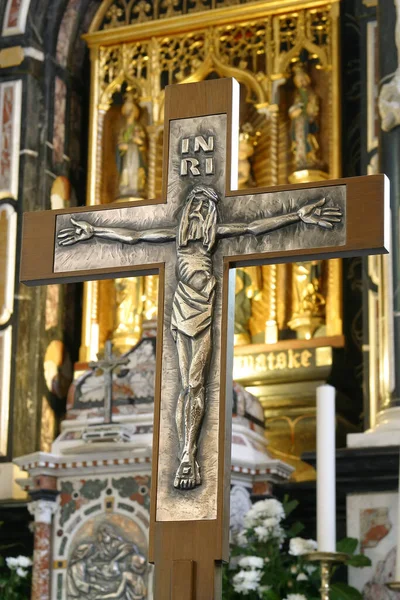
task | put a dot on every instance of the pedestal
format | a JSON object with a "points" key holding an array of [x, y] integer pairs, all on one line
{"points": [[42, 508], [385, 433]]}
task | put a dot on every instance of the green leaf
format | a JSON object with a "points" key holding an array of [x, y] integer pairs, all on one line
{"points": [[342, 591], [270, 595], [347, 545], [289, 505], [358, 560], [295, 529]]}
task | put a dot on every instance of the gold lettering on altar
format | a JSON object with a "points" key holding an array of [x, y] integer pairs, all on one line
{"points": [[248, 365]]}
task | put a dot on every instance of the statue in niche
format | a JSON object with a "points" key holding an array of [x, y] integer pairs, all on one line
{"points": [[108, 568], [247, 143], [243, 294], [131, 152], [304, 121], [308, 301], [129, 312]]}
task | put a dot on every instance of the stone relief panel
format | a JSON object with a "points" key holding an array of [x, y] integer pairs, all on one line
{"points": [[100, 539], [107, 560], [10, 132], [15, 17], [372, 518], [240, 505]]}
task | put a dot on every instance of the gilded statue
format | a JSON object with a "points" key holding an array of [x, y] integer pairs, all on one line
{"points": [[196, 235], [304, 121], [247, 143], [107, 568], [129, 309], [308, 301], [131, 152]]}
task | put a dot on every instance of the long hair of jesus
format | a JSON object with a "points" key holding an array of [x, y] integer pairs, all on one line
{"points": [[209, 224]]}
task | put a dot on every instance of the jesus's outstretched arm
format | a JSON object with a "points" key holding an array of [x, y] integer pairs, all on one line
{"points": [[312, 214], [82, 230]]}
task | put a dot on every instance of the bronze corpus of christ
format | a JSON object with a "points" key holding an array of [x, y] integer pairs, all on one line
{"points": [[196, 235]]}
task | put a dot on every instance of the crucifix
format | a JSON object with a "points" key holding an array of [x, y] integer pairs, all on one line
{"points": [[108, 365], [194, 237]]}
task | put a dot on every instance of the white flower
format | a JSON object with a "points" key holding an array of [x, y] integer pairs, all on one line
{"points": [[262, 533], [24, 561], [264, 509], [22, 572], [241, 538], [299, 546], [252, 562], [293, 569], [310, 568], [267, 533], [246, 581], [301, 577], [295, 597], [12, 563], [270, 522]]}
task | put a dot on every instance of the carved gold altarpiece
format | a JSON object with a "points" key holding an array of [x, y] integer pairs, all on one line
{"points": [[288, 317]]}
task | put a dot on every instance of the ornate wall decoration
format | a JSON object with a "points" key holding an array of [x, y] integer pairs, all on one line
{"points": [[120, 13], [100, 538], [10, 131], [258, 52], [15, 17]]}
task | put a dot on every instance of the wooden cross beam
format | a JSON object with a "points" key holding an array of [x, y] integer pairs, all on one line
{"points": [[192, 236]]}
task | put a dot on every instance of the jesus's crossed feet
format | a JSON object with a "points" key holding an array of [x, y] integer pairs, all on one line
{"points": [[188, 474]]}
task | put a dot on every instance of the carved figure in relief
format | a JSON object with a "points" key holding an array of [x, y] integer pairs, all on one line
{"points": [[196, 235], [304, 116], [106, 569], [78, 583], [131, 152]]}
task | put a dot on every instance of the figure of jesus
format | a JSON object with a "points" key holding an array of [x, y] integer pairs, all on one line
{"points": [[196, 235]]}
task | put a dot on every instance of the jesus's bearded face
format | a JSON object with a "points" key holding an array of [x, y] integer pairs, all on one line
{"points": [[197, 219]]}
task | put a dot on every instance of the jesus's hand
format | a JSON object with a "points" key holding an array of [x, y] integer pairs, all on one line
{"points": [[323, 217], [81, 231]]}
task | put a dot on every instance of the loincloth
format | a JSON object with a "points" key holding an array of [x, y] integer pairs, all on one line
{"points": [[192, 310]]}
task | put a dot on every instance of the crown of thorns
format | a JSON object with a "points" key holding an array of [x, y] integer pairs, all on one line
{"points": [[204, 190]]}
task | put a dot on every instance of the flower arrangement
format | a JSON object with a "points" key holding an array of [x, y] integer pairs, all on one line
{"points": [[268, 559], [15, 578]]}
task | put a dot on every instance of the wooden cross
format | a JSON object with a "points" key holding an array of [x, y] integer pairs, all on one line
{"points": [[108, 365], [192, 237]]}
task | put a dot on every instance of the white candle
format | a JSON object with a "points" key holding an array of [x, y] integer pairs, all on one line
{"points": [[397, 578], [326, 469]]}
